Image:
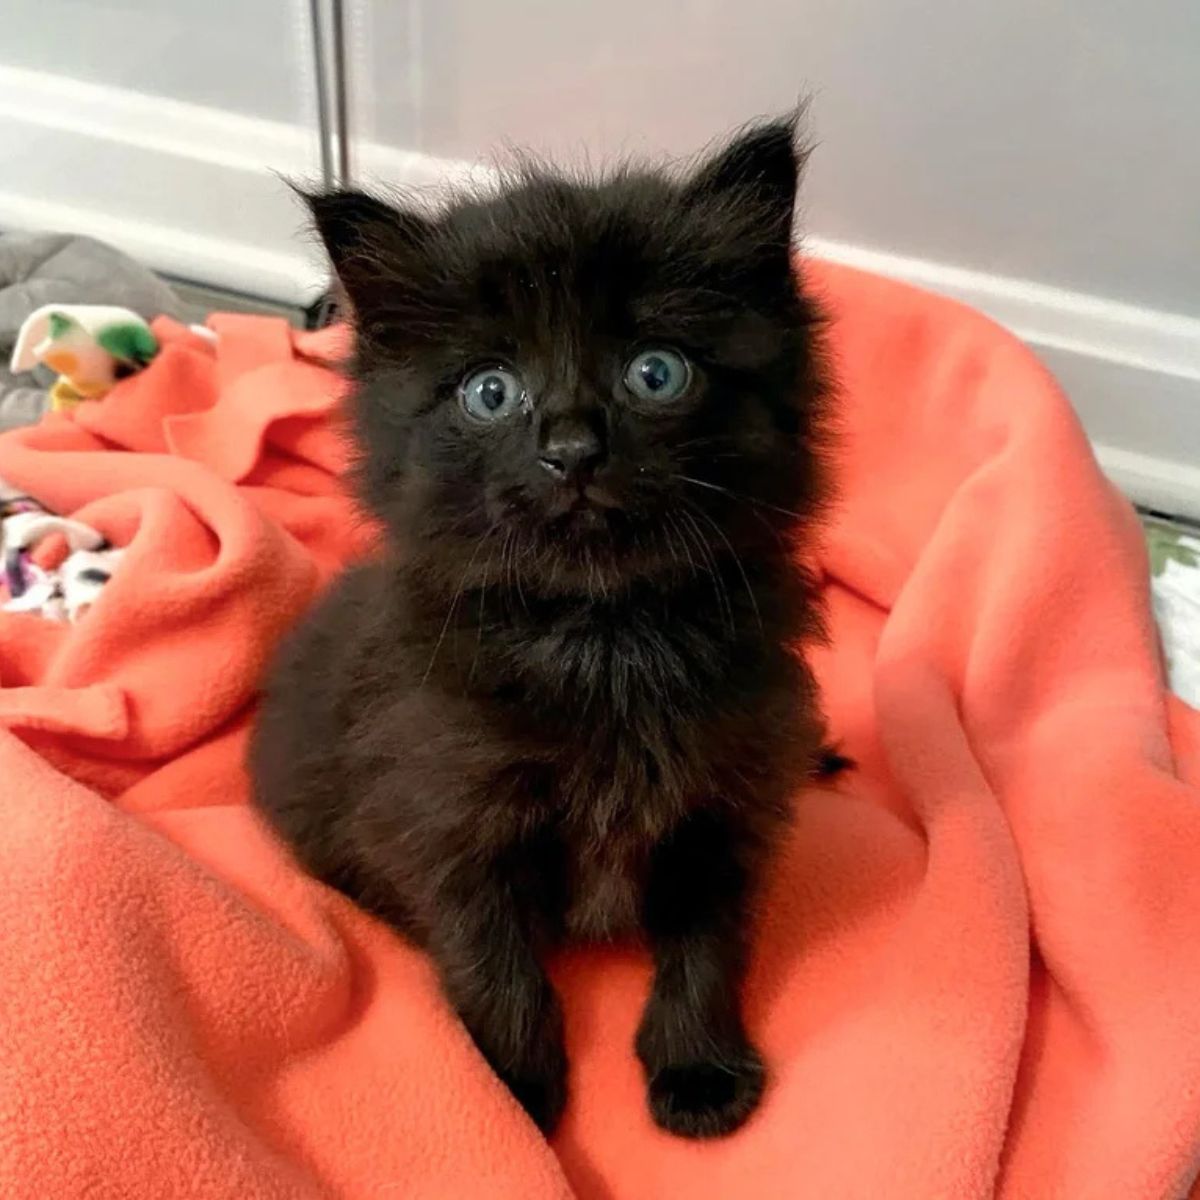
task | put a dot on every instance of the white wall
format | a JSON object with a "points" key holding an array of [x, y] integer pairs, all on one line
{"points": [[1053, 139], [1037, 158], [158, 125], [240, 55]]}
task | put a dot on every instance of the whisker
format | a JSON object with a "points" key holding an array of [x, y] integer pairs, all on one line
{"points": [[505, 563], [668, 541], [737, 562], [442, 635], [682, 541], [711, 569], [517, 561], [458, 591], [724, 491], [483, 587]]}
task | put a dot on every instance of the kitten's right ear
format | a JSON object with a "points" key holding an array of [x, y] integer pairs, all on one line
{"points": [[761, 165], [363, 236]]}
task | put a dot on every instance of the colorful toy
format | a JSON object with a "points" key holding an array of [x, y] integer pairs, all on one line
{"points": [[65, 592], [89, 346]]}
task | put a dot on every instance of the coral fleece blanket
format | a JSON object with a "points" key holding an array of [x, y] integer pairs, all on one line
{"points": [[977, 970]]}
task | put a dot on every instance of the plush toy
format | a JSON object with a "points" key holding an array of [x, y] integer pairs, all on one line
{"points": [[62, 593], [89, 346]]}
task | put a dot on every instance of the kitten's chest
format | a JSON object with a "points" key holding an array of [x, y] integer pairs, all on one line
{"points": [[605, 884], [625, 708], [619, 797], [639, 668]]}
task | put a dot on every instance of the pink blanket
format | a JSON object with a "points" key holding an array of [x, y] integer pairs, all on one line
{"points": [[977, 969]]}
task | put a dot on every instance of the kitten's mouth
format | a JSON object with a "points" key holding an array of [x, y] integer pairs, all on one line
{"points": [[586, 501], [599, 496], [584, 517], [590, 511]]}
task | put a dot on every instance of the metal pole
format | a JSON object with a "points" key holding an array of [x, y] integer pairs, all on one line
{"points": [[341, 92], [321, 76]]}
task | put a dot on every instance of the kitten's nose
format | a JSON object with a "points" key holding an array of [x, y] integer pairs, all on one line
{"points": [[571, 453]]}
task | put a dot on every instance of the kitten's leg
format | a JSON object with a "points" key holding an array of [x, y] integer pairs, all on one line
{"points": [[704, 1076], [481, 941]]}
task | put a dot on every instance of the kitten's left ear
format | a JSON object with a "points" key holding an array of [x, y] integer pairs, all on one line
{"points": [[364, 236], [761, 164]]}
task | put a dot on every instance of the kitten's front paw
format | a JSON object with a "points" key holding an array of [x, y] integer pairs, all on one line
{"points": [[708, 1096]]}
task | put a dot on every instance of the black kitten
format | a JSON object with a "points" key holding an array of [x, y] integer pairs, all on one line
{"points": [[567, 702]]}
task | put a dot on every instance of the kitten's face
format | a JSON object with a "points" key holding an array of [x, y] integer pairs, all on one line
{"points": [[585, 382]]}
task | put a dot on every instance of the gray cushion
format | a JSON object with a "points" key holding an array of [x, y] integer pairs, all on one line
{"points": [[62, 268]]}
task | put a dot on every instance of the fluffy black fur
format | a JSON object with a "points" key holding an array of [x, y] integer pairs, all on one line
{"points": [[567, 702]]}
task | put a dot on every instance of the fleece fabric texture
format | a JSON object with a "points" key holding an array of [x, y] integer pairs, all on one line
{"points": [[977, 963]]}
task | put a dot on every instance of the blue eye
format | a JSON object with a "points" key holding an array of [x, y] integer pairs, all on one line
{"points": [[659, 375], [492, 394]]}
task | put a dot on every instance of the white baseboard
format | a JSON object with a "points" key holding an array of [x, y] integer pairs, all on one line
{"points": [[1132, 373], [1072, 322], [197, 192], [1159, 484], [190, 190]]}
